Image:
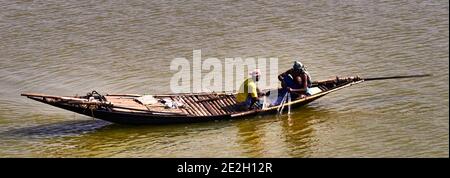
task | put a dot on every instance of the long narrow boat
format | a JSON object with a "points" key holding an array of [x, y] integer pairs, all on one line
{"points": [[182, 108]]}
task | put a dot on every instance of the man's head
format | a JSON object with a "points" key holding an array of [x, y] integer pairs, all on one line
{"points": [[255, 74], [298, 66]]}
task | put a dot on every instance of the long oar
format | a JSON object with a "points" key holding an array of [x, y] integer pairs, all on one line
{"points": [[396, 77]]}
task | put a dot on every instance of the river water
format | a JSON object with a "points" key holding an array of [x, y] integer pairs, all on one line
{"points": [[73, 47]]}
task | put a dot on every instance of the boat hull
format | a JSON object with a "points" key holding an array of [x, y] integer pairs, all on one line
{"points": [[200, 107], [145, 119]]}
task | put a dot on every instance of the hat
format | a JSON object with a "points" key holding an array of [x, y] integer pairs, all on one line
{"points": [[255, 73], [298, 65]]}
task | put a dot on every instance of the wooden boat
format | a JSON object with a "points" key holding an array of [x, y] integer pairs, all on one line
{"points": [[194, 107]]}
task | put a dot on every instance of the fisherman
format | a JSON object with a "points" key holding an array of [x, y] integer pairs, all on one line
{"points": [[247, 96], [296, 81]]}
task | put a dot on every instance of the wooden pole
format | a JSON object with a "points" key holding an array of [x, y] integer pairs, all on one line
{"points": [[397, 77], [281, 107]]}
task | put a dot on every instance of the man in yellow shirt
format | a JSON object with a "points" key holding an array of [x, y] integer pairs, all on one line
{"points": [[248, 92]]}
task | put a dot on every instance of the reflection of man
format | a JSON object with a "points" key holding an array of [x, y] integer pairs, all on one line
{"points": [[250, 138], [248, 92]]}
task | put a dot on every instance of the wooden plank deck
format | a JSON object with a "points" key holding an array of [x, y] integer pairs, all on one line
{"points": [[193, 105]]}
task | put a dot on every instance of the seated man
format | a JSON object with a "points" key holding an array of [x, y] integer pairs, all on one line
{"points": [[248, 92], [296, 81]]}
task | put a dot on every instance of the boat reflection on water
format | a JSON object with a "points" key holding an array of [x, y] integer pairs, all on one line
{"points": [[250, 138], [59, 129], [288, 135], [260, 136], [298, 130]]}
